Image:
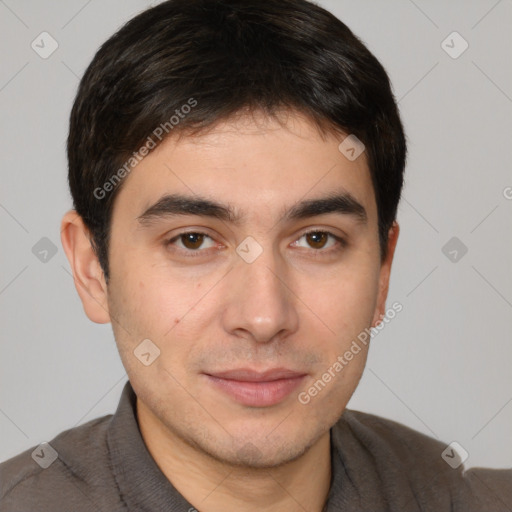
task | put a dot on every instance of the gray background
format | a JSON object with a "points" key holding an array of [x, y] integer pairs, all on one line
{"points": [[442, 366]]}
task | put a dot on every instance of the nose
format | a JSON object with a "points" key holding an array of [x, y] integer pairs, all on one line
{"points": [[260, 304]]}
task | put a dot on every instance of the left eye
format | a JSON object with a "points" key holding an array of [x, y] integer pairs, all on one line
{"points": [[318, 240], [192, 241]]}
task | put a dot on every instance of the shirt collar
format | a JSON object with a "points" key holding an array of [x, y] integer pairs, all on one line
{"points": [[142, 485]]}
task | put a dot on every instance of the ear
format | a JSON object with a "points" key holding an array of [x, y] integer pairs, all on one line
{"points": [[385, 272], [87, 273]]}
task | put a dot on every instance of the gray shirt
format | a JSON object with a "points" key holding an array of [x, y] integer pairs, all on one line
{"points": [[377, 465]]}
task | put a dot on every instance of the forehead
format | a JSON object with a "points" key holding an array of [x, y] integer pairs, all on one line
{"points": [[253, 162]]}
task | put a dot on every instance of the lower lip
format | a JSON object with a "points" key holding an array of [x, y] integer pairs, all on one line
{"points": [[257, 394]]}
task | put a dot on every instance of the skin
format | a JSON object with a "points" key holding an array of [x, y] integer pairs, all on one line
{"points": [[296, 306]]}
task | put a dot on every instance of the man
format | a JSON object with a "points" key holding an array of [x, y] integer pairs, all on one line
{"points": [[236, 167]]}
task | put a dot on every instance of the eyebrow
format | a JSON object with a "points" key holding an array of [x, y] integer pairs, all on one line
{"points": [[171, 205]]}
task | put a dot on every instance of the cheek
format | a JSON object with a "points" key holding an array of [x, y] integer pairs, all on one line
{"points": [[345, 300], [173, 311], [155, 299], [151, 309]]}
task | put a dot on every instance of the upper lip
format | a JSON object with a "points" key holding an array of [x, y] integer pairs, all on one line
{"points": [[249, 375]]}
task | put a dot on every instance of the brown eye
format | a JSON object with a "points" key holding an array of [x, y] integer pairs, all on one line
{"points": [[320, 242], [190, 243], [317, 239], [192, 240]]}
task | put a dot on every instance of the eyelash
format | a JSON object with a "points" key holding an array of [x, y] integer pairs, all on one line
{"points": [[341, 243]]}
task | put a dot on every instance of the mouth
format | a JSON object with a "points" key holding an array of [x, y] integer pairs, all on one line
{"points": [[257, 389]]}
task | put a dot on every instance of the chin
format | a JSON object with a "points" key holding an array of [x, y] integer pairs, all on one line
{"points": [[253, 452]]}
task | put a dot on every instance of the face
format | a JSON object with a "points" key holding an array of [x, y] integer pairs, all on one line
{"points": [[252, 284]]}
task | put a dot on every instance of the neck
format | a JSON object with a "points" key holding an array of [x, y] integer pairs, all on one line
{"points": [[214, 486]]}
